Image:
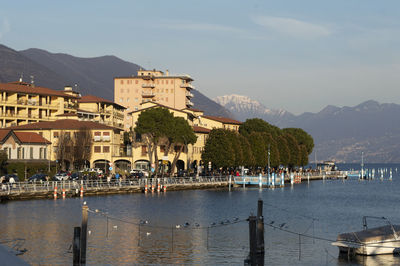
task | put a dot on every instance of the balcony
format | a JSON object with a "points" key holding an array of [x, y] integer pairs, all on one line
{"points": [[189, 95], [148, 94], [187, 85], [148, 85], [97, 138], [106, 138], [189, 103]]}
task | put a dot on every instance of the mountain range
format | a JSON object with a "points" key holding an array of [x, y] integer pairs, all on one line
{"points": [[90, 75], [340, 133]]}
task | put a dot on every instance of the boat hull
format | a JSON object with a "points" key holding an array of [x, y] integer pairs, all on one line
{"points": [[369, 249]]}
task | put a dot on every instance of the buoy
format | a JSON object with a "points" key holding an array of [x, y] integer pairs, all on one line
{"points": [[63, 193], [165, 188], [55, 192], [145, 188], [81, 191], [158, 188], [152, 188]]}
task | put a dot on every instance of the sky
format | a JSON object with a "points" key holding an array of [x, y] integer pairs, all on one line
{"points": [[295, 55]]}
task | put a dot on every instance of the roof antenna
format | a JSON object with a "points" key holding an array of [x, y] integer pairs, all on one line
{"points": [[20, 77], [32, 80]]}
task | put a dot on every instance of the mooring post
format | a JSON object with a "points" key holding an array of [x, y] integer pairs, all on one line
{"points": [[260, 228], [84, 233], [76, 246], [230, 182], [253, 239]]}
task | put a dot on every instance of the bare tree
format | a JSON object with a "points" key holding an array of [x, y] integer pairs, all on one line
{"points": [[82, 147]]}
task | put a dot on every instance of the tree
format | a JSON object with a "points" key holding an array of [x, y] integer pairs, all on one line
{"points": [[233, 138], [153, 125], [284, 152], [179, 135], [293, 149], [302, 138], [3, 160], [82, 147], [64, 150], [258, 125], [218, 150], [247, 154], [258, 148], [273, 147]]}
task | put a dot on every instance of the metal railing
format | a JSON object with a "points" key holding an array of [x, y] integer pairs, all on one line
{"points": [[102, 184]]}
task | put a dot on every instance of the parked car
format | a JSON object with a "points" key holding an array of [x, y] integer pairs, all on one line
{"points": [[136, 174], [37, 178], [76, 176], [62, 176]]}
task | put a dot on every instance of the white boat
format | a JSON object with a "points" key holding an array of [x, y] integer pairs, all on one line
{"points": [[373, 241]]}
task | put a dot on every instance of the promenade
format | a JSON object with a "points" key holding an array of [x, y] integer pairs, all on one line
{"points": [[80, 188]]}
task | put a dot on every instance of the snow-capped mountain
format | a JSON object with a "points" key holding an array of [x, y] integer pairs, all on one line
{"points": [[243, 107]]}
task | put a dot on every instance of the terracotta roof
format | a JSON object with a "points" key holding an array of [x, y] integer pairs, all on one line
{"points": [[22, 87], [3, 134], [95, 99], [63, 124], [201, 129], [194, 110], [223, 119], [30, 137]]}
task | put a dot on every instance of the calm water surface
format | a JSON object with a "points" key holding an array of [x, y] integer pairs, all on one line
{"points": [[319, 208]]}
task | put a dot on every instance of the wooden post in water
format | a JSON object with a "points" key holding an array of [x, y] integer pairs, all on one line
{"points": [[253, 239], [76, 246], [84, 233], [260, 228]]}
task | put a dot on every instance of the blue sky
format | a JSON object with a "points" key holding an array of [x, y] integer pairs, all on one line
{"points": [[295, 55]]}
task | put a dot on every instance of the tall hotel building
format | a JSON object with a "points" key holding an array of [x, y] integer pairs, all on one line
{"points": [[173, 91]]}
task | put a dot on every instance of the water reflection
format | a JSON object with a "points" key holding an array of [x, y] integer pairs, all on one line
{"points": [[337, 207]]}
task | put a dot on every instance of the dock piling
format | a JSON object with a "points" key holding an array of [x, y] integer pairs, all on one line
{"points": [[84, 234], [76, 246]]}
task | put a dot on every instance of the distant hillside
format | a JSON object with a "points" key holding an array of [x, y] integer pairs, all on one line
{"points": [[340, 133], [92, 75]]}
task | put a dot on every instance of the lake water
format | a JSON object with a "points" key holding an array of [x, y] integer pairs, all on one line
{"points": [[321, 209]]}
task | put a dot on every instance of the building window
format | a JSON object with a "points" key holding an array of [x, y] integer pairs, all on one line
{"points": [[166, 82], [162, 81], [136, 81], [120, 100], [31, 153], [166, 90], [127, 100], [122, 82], [97, 133], [106, 149], [166, 99], [172, 82], [55, 134], [9, 153], [106, 133], [44, 153], [97, 149], [144, 149]]}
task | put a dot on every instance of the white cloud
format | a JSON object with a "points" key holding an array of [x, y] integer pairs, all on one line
{"points": [[292, 27], [4, 27]]}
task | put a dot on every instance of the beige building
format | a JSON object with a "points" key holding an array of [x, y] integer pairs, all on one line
{"points": [[22, 103], [202, 125], [152, 86], [97, 109], [105, 140], [25, 146]]}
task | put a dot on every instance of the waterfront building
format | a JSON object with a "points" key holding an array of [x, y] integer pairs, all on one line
{"points": [[97, 109], [24, 146], [155, 86], [191, 155], [102, 142], [23, 103]]}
